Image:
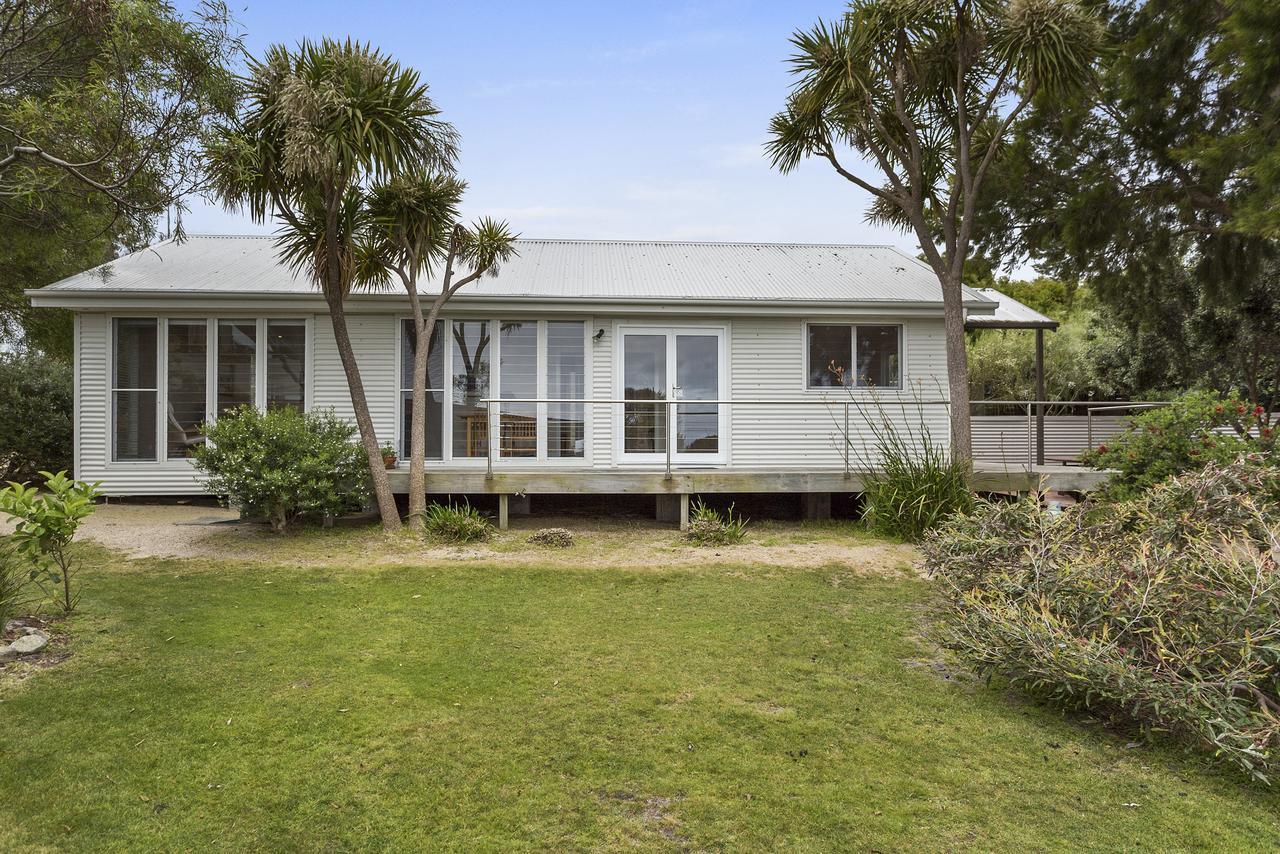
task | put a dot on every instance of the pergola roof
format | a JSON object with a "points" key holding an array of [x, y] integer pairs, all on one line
{"points": [[1009, 314]]}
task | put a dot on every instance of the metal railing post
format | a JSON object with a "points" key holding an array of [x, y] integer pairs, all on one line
{"points": [[1088, 420], [670, 435], [488, 432], [848, 440], [1031, 451]]}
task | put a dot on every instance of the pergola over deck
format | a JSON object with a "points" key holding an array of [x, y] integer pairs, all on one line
{"points": [[1011, 314]]}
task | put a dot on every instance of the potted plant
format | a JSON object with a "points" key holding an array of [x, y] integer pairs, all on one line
{"points": [[389, 455]]}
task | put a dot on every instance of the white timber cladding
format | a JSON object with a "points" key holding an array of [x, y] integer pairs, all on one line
{"points": [[765, 360], [768, 358]]}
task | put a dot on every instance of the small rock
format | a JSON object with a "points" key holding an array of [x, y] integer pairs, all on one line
{"points": [[12, 626], [27, 644], [7, 653]]}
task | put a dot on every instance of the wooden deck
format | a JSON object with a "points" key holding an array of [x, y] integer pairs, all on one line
{"points": [[988, 477]]}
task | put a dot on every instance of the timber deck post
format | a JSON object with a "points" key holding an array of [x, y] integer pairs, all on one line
{"points": [[504, 511], [684, 511]]}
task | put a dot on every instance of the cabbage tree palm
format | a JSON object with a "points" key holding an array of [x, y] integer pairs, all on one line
{"points": [[318, 125], [926, 91], [414, 232]]}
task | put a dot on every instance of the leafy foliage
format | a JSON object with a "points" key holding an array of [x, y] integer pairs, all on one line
{"points": [[457, 523], [1163, 611], [317, 127], [36, 406], [927, 92], [710, 527], [1197, 429], [102, 107], [1158, 188], [283, 465], [46, 522]]}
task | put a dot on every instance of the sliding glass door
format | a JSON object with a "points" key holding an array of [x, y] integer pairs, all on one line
{"points": [[667, 372]]}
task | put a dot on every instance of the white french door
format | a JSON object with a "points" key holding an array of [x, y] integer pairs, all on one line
{"points": [[667, 371]]}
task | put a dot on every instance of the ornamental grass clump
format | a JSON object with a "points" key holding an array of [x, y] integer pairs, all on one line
{"points": [[1163, 611], [911, 483], [710, 527], [456, 523]]}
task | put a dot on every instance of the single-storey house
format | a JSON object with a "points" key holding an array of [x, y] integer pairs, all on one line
{"points": [[601, 366]]}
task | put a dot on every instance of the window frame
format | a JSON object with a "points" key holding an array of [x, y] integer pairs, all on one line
{"points": [[853, 344], [160, 389], [162, 457], [541, 459]]}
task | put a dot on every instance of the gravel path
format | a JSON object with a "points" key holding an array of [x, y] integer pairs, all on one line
{"points": [[155, 530]]}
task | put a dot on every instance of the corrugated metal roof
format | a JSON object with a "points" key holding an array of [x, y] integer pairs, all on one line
{"points": [[1009, 314], [639, 271]]}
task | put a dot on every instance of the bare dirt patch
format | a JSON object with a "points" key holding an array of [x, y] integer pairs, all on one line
{"points": [[210, 532]]}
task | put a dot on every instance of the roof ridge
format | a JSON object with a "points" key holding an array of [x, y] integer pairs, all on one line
{"points": [[609, 241]]}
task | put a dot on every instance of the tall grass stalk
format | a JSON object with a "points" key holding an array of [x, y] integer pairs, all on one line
{"points": [[911, 484]]}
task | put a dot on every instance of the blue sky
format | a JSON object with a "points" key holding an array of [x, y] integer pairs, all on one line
{"points": [[602, 120]]}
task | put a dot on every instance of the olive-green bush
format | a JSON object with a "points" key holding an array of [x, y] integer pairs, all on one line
{"points": [[1162, 611], [284, 465]]}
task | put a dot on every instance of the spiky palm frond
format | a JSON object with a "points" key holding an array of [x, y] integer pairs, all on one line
{"points": [[486, 245], [304, 245], [318, 125], [412, 217]]}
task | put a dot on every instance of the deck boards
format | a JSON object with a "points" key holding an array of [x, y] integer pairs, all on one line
{"points": [[987, 477]]}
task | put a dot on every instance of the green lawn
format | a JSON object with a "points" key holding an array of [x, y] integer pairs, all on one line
{"points": [[237, 706]]}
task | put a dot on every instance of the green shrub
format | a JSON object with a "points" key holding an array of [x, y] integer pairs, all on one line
{"points": [[45, 523], [1197, 429], [710, 527], [284, 465], [1162, 611], [457, 523], [911, 485], [35, 416]]}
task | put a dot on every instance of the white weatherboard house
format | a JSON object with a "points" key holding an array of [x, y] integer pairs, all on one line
{"points": [[584, 366]]}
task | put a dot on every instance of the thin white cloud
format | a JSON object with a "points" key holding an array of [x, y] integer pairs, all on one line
{"points": [[742, 154], [506, 88], [672, 44], [668, 191]]}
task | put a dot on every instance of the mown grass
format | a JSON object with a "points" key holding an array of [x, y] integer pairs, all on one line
{"points": [[227, 706]]}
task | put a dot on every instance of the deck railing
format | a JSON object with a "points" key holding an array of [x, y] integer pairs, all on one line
{"points": [[1031, 453]]}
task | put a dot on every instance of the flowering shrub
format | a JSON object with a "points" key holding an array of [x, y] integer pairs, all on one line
{"points": [[1163, 611], [284, 465], [1197, 429]]}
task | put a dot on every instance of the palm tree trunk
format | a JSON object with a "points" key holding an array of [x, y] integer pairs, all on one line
{"points": [[957, 369], [423, 328], [368, 436]]}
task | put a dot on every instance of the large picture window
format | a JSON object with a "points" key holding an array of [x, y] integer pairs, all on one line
{"points": [[518, 370], [286, 363], [435, 390], [854, 355], [512, 361], [237, 364], [170, 376], [134, 388], [188, 370], [470, 387], [566, 380]]}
